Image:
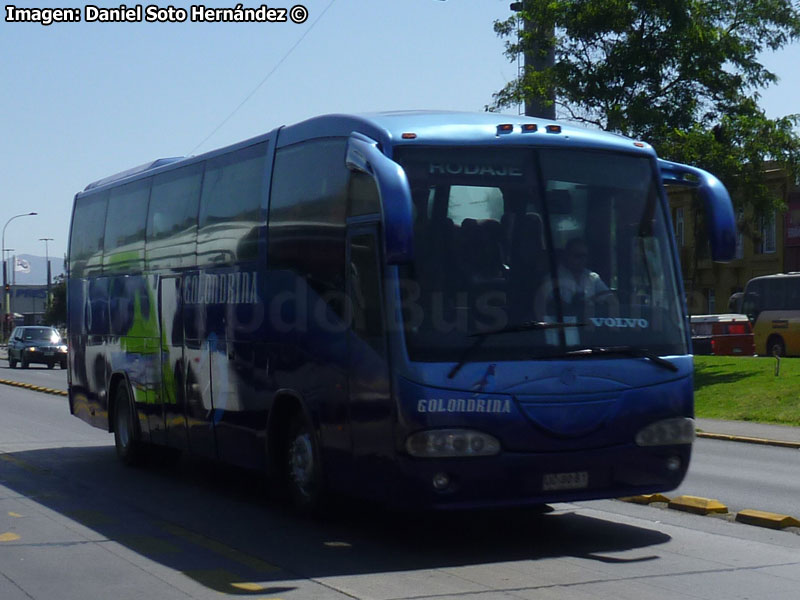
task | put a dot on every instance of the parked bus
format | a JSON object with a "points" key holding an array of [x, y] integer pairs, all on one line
{"points": [[772, 303], [427, 309]]}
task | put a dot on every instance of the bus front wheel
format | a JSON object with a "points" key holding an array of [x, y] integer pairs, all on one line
{"points": [[775, 346], [126, 435], [302, 468]]}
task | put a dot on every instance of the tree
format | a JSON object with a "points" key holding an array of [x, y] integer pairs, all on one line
{"points": [[56, 313], [683, 75]]}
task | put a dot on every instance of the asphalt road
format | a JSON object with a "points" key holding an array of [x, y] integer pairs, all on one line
{"points": [[36, 374], [745, 476], [74, 524]]}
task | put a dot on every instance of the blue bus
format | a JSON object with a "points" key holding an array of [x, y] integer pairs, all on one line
{"points": [[420, 308]]}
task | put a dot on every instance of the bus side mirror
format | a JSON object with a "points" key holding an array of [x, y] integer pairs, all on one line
{"points": [[720, 220], [398, 228]]}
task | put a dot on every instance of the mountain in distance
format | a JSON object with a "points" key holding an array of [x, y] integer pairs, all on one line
{"points": [[38, 274]]}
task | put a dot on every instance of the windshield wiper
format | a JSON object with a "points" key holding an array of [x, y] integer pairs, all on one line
{"points": [[625, 351], [481, 336]]}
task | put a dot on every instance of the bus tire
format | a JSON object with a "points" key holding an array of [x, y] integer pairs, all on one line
{"points": [[126, 434], [776, 346], [302, 467]]}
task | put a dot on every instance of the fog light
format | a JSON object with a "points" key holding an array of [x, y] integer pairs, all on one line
{"points": [[441, 481], [673, 463]]}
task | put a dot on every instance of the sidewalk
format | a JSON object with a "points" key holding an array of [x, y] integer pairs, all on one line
{"points": [[779, 435]]}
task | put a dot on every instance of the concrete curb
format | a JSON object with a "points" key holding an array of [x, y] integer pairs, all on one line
{"points": [[35, 388], [747, 440], [766, 519], [710, 506], [698, 505]]}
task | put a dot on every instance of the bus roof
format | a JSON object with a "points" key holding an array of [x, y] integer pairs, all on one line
{"points": [[421, 128]]}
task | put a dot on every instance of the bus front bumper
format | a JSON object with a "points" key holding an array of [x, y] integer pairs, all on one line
{"points": [[520, 479]]}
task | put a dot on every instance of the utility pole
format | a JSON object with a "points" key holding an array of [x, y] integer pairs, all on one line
{"points": [[537, 60], [47, 260], [6, 287]]}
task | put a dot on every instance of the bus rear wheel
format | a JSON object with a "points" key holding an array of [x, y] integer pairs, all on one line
{"points": [[776, 346], [126, 435], [302, 468]]}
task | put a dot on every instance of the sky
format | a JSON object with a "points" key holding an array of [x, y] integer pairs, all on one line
{"points": [[81, 101]]}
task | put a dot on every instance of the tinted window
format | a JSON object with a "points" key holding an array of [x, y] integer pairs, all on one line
{"points": [[364, 198], [86, 242], [307, 214], [172, 217], [231, 207], [520, 235], [365, 291], [125, 227]]}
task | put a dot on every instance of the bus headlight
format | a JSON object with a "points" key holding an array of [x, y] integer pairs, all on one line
{"points": [[667, 432], [438, 443]]}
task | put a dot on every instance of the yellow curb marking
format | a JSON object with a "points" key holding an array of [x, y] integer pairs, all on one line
{"points": [[8, 537], [697, 505], [223, 580], [762, 518], [749, 440], [15, 515], [646, 499], [248, 586], [35, 388]]}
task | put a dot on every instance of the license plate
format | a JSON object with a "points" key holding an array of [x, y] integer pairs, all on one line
{"points": [[576, 480]]}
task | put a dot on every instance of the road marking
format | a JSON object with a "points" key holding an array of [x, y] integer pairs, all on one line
{"points": [[15, 515], [224, 550], [8, 537], [224, 581], [21, 463], [248, 586], [90, 518], [148, 545]]}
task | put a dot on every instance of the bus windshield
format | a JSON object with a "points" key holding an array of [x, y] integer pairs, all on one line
{"points": [[512, 236]]}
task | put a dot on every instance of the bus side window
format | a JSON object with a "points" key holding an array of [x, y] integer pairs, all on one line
{"points": [[125, 226], [86, 242], [232, 204], [172, 218]]}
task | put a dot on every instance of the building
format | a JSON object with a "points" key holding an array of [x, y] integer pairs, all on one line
{"points": [[767, 245], [29, 303]]}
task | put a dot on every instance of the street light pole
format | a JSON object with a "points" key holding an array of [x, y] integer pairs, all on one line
{"points": [[47, 260], [539, 57], [6, 290]]}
